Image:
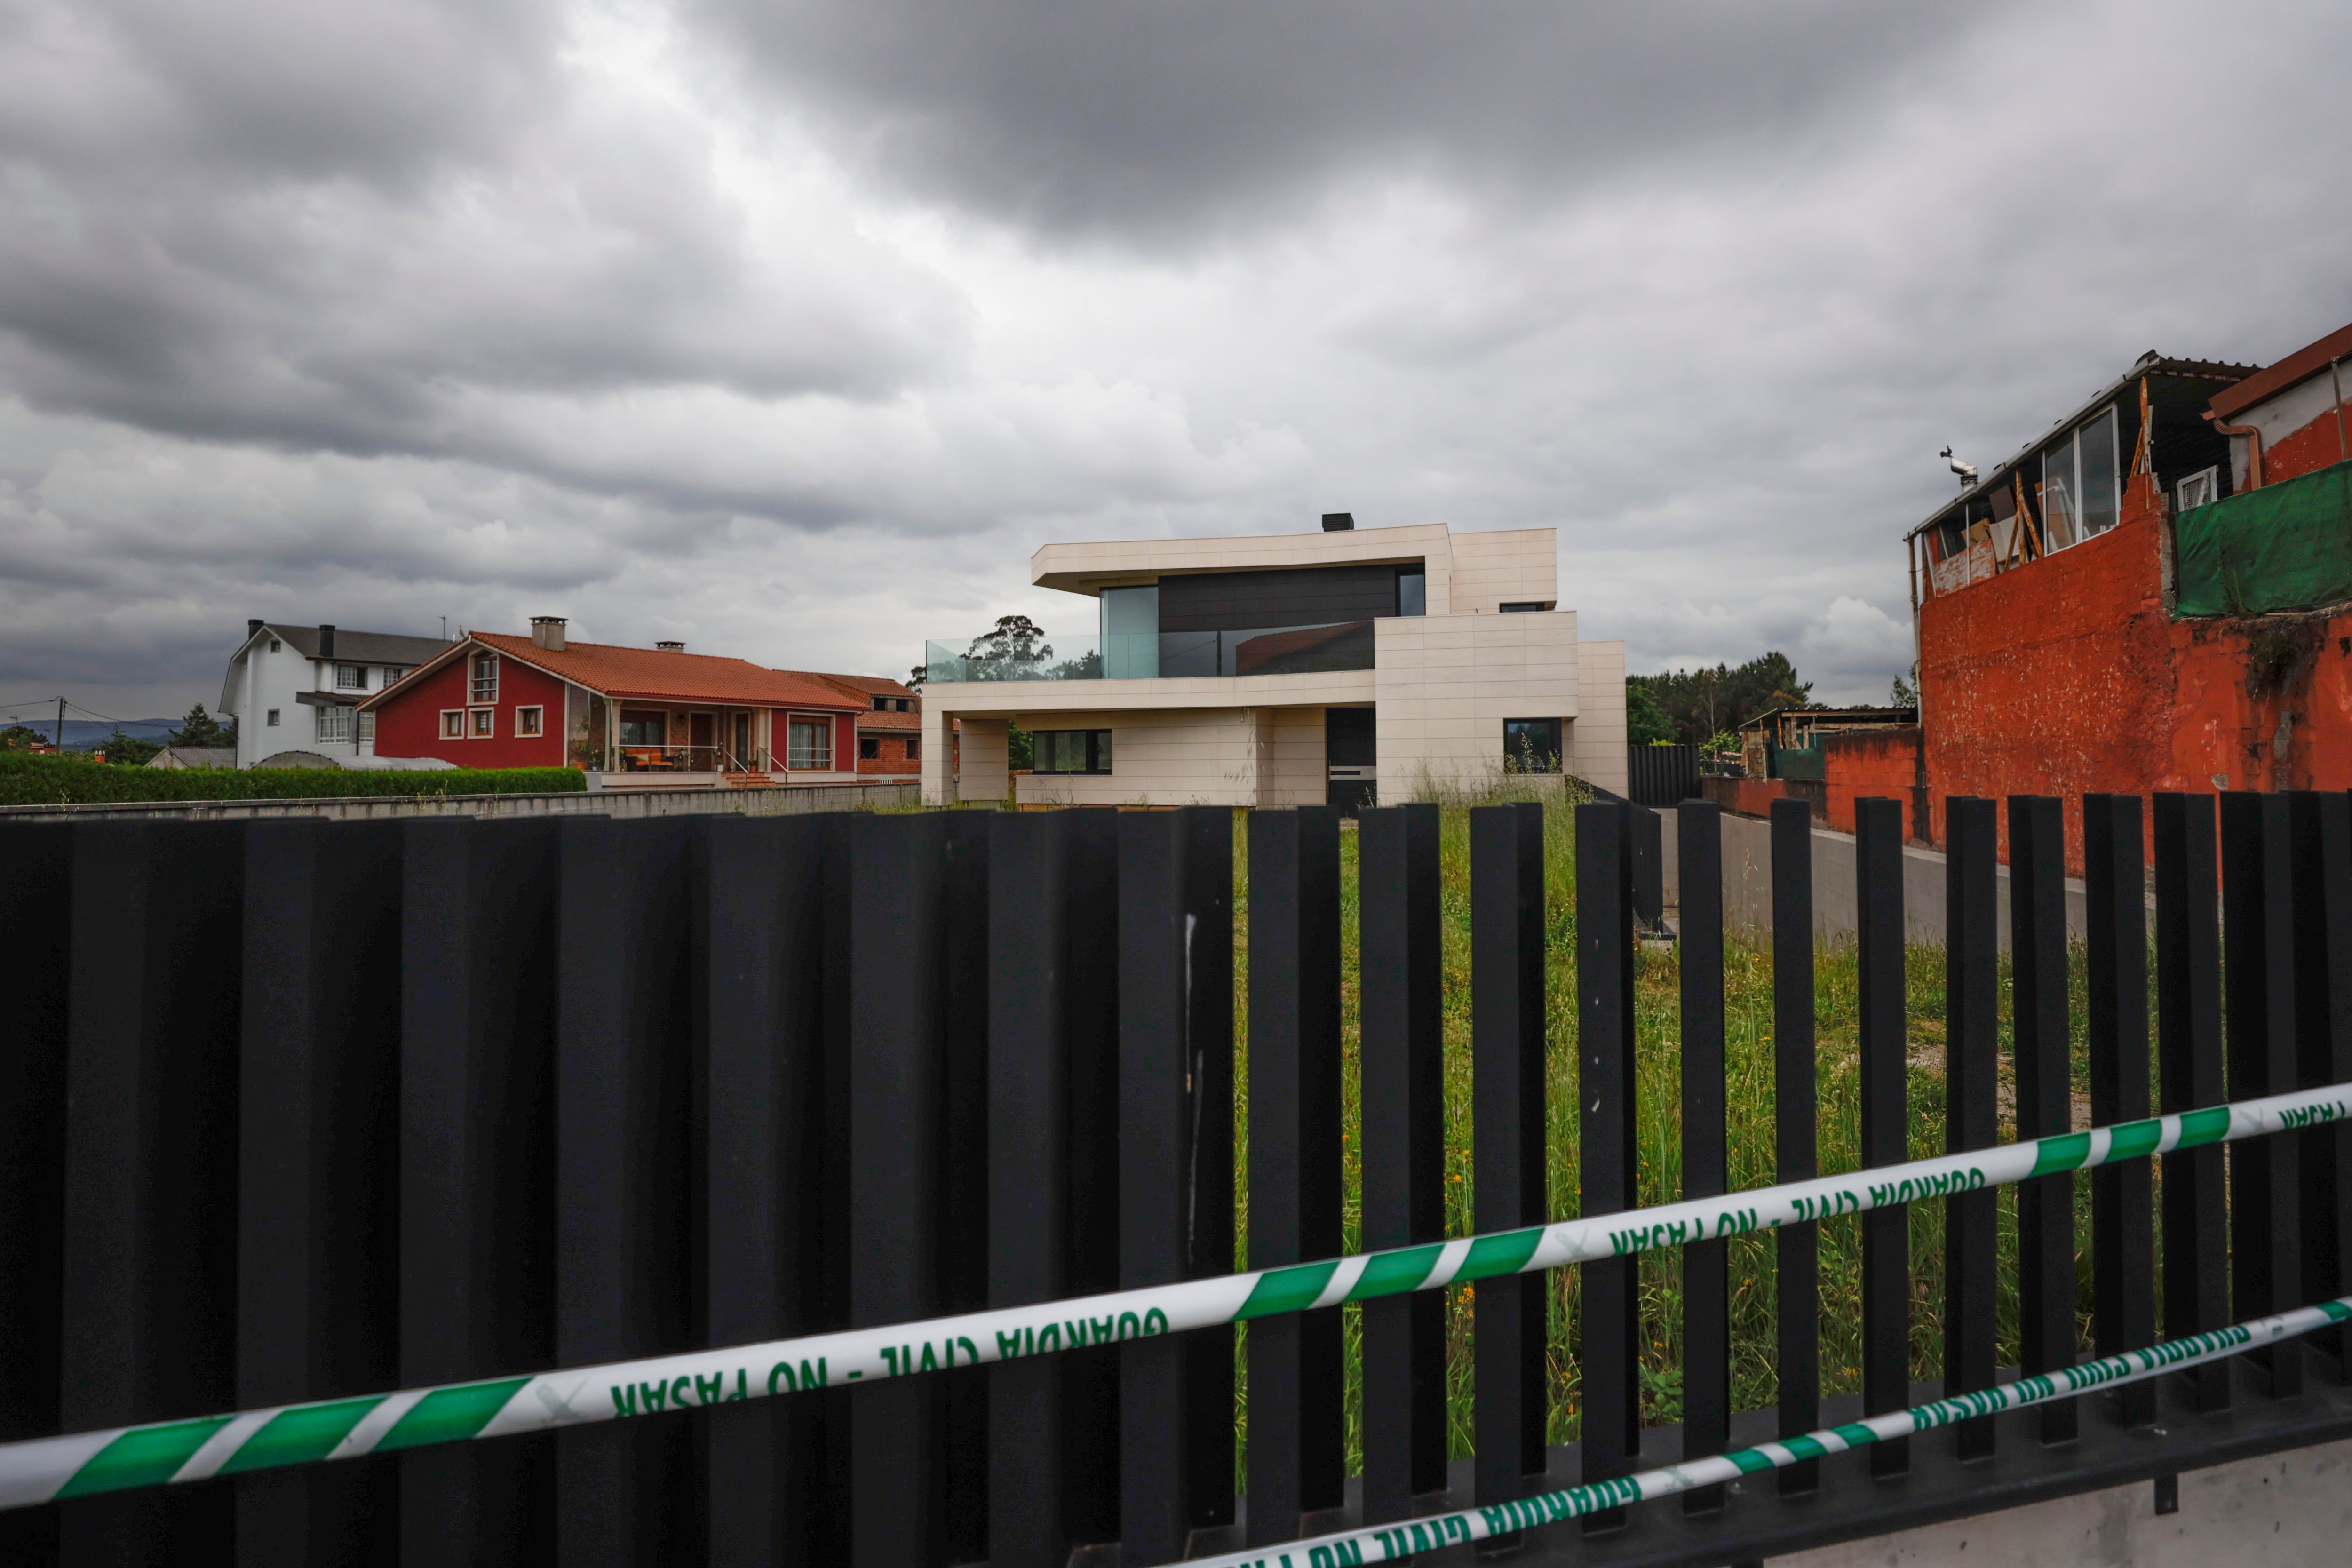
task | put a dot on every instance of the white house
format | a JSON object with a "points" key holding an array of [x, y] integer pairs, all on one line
{"points": [[298, 689], [1290, 670]]}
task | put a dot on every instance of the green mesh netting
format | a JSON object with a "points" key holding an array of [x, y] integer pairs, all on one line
{"points": [[2283, 547]]}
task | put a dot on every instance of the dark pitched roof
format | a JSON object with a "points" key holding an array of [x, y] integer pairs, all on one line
{"points": [[359, 647]]}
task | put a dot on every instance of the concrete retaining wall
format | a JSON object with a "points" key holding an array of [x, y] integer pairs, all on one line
{"points": [[784, 800], [1748, 885]]}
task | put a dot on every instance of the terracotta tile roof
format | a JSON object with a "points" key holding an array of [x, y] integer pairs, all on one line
{"points": [[870, 685], [652, 674]]}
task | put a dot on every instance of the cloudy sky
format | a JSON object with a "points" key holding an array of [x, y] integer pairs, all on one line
{"points": [[792, 327]]}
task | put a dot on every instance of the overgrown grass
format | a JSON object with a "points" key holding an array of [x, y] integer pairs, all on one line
{"points": [[1747, 984], [29, 779]]}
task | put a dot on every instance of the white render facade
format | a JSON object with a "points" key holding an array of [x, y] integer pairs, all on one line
{"points": [[1390, 688], [297, 688]]}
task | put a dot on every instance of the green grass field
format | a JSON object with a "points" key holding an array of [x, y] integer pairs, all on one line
{"points": [[1749, 1009]]}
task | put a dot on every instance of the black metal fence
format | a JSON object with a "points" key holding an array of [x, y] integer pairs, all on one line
{"points": [[1661, 775], [292, 1110]]}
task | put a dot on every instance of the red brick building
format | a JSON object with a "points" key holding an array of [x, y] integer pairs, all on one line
{"points": [[657, 717], [2147, 599], [890, 729]]}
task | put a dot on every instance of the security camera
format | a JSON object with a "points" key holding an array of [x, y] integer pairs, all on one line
{"points": [[1968, 471]]}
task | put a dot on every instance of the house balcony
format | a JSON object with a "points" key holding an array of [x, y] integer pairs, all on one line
{"points": [[1311, 649]]}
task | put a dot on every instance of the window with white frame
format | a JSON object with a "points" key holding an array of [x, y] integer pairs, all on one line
{"points": [[367, 728], [530, 721], [391, 674], [453, 723], [333, 723], [2201, 488], [808, 743], [2081, 488], [482, 722], [486, 678], [351, 678]]}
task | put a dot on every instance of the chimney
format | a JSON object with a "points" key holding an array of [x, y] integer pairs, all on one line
{"points": [[252, 628], [671, 646], [547, 632], [1339, 521], [326, 642]]}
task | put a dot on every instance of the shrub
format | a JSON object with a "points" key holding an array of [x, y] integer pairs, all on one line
{"points": [[29, 779]]}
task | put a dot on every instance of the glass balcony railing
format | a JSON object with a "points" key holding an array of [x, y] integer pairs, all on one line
{"points": [[1261, 650]]}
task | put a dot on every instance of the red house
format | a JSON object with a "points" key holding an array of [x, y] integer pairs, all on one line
{"points": [[890, 729], [658, 717]]}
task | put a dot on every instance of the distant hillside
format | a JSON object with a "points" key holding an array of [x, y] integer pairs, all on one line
{"points": [[82, 734]]}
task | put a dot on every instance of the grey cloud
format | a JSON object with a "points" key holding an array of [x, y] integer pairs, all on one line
{"points": [[1168, 122]]}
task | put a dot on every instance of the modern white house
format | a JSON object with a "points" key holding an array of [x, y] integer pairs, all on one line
{"points": [[298, 689], [1339, 665]]}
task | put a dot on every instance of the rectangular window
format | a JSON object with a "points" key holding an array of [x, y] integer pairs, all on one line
{"points": [[869, 747], [1071, 752], [351, 678], [483, 723], [367, 728], [331, 723], [273, 718], [530, 721], [644, 729], [808, 743], [2080, 484], [1129, 622], [914, 748], [486, 678], [2201, 488], [1531, 746], [391, 674], [881, 705], [453, 723], [1413, 592], [1523, 607]]}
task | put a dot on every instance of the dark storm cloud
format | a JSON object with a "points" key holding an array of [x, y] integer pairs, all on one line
{"points": [[1169, 121]]}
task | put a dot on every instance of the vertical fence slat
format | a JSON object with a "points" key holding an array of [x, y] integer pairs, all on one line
{"points": [[1175, 1081], [1796, 1248], [477, 1171], [1028, 1174], [1971, 1060], [2259, 960], [35, 960], [2323, 927], [2189, 1077], [963, 1178], [759, 887], [1296, 1410], [318, 1269], [624, 1192], [1886, 1121], [1403, 1157], [1090, 1377], [1706, 1282], [898, 894], [150, 1254], [1609, 1356], [2045, 1206], [2123, 1197]]}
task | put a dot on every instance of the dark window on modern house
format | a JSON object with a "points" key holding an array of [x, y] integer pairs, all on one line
{"points": [[1413, 592], [1072, 752], [1523, 607], [869, 747], [1532, 746], [1351, 738]]}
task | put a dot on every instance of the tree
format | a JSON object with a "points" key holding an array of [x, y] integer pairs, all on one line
{"points": [[1646, 724], [917, 676], [1902, 693], [1704, 703], [129, 750], [21, 737], [1015, 650], [201, 729]]}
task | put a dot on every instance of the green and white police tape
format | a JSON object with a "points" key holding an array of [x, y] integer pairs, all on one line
{"points": [[37, 1471], [1388, 1542]]}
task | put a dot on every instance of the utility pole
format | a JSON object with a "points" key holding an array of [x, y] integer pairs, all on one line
{"points": [[61, 724]]}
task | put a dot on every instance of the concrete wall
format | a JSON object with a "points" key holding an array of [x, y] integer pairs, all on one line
{"points": [[1508, 565], [1596, 742], [1747, 885], [786, 801], [2283, 1510], [1445, 684]]}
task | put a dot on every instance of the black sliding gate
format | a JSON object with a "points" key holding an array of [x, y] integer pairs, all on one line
{"points": [[291, 1111]]}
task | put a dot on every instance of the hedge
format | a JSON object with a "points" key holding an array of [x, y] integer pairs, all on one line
{"points": [[27, 779]]}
